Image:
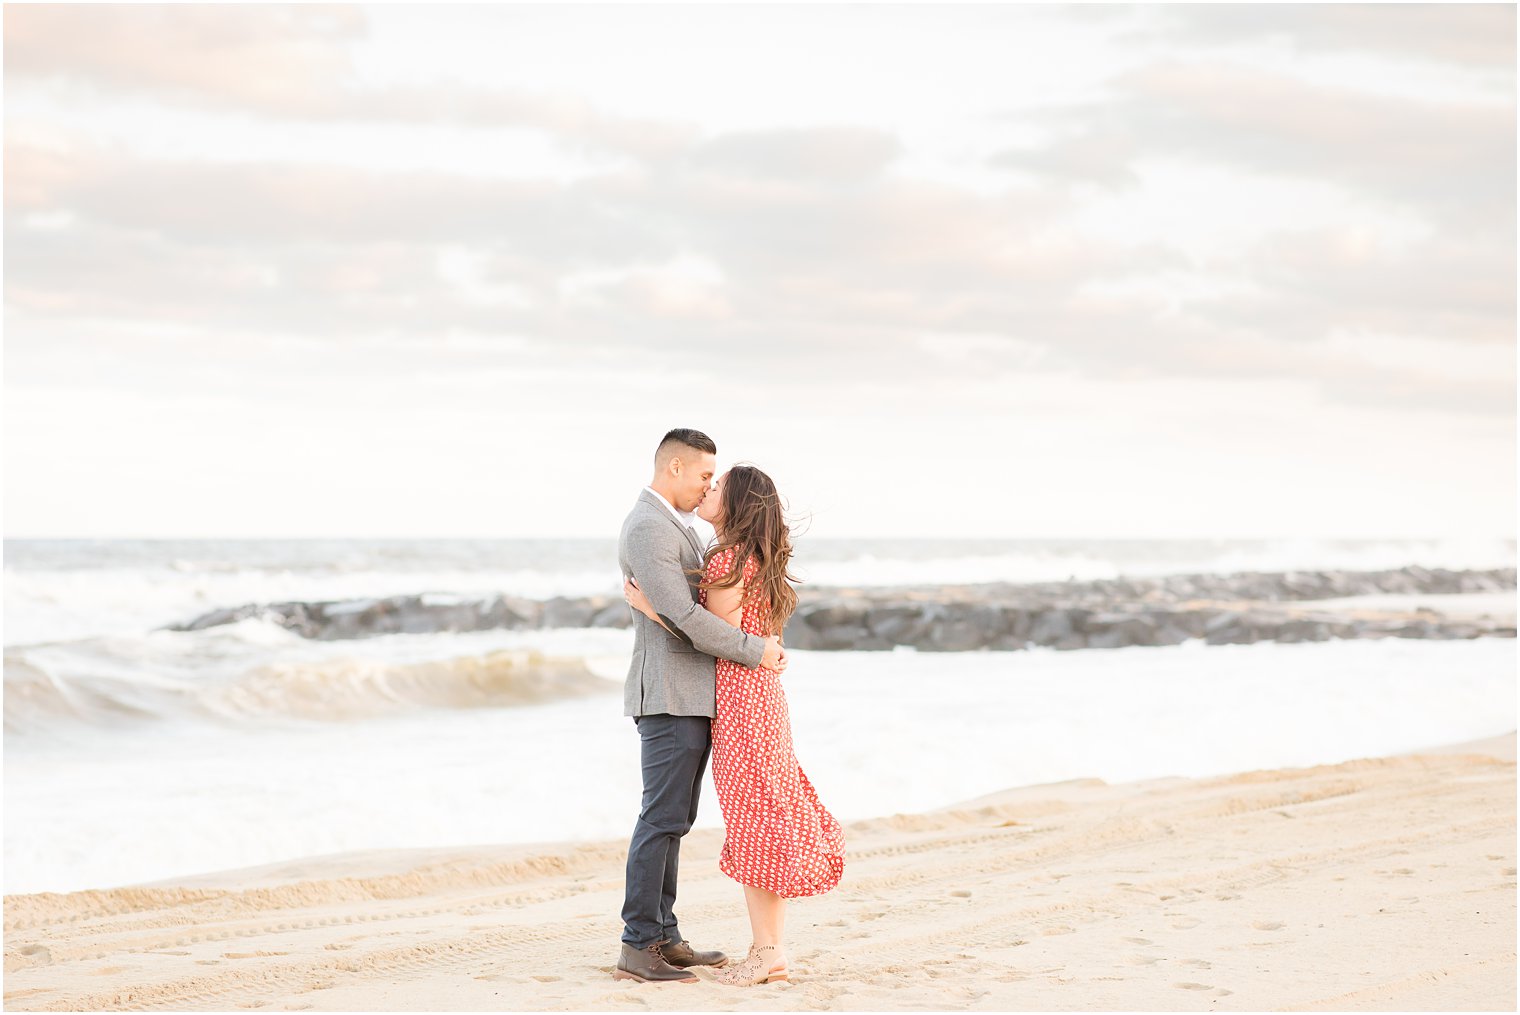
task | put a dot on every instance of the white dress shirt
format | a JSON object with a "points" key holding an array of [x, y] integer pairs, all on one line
{"points": [[686, 518]]}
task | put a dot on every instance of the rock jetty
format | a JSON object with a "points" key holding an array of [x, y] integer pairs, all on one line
{"points": [[1219, 609]]}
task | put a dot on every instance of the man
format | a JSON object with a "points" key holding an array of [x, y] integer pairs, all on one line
{"points": [[671, 694]]}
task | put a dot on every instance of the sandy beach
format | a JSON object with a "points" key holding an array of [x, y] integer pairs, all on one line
{"points": [[1377, 884]]}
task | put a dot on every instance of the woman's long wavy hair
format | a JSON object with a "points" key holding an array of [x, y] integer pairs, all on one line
{"points": [[753, 525]]}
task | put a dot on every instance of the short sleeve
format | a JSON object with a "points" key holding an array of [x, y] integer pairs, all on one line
{"points": [[721, 564]]}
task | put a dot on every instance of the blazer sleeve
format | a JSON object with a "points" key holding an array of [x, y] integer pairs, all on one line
{"points": [[654, 554]]}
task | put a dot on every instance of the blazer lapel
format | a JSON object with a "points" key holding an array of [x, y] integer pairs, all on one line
{"points": [[691, 537], [653, 500]]}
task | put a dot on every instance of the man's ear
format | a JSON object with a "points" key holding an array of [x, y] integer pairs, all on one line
{"points": [[674, 467]]}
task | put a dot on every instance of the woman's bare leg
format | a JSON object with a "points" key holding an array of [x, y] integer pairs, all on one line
{"points": [[767, 920]]}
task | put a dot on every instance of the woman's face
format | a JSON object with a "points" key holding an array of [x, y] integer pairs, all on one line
{"points": [[711, 508]]}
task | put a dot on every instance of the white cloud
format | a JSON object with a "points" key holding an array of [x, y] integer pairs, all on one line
{"points": [[1073, 271]]}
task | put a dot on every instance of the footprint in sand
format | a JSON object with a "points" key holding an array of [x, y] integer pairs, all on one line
{"points": [[1053, 931], [1138, 940], [1200, 963], [1189, 985], [1267, 925], [1142, 960], [1185, 923], [38, 954]]}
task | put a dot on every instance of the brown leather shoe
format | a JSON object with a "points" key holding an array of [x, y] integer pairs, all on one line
{"points": [[682, 956], [647, 965]]}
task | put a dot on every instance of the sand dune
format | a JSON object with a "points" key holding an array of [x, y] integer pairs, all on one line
{"points": [[1379, 884]]}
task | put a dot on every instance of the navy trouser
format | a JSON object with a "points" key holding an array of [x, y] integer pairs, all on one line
{"points": [[675, 749]]}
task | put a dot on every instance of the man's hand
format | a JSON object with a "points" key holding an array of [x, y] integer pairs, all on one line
{"points": [[775, 655]]}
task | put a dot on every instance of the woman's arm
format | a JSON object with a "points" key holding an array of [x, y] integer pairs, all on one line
{"points": [[725, 604], [654, 555], [638, 601]]}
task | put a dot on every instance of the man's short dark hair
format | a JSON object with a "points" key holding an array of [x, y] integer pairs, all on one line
{"points": [[681, 439]]}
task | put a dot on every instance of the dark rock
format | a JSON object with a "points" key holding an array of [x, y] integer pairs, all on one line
{"points": [[1304, 630], [960, 627], [1171, 634], [1116, 630], [613, 615], [1050, 626], [1420, 629], [1221, 609], [832, 615], [564, 612], [899, 625]]}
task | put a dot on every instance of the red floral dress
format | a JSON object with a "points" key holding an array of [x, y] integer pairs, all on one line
{"points": [[778, 836]]}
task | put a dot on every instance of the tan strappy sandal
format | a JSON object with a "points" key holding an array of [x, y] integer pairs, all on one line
{"points": [[752, 970]]}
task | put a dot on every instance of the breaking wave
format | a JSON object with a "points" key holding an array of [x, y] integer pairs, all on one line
{"points": [[41, 689]]}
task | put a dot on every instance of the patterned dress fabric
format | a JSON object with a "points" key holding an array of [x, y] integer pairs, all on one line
{"points": [[778, 836]]}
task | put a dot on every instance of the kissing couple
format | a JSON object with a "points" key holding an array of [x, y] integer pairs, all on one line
{"points": [[705, 681]]}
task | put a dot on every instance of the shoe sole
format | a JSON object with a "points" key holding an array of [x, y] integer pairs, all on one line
{"points": [[623, 974], [768, 979]]}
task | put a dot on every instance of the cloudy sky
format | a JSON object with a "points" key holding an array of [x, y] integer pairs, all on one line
{"points": [[1003, 271]]}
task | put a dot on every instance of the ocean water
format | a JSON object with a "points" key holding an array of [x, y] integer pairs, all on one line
{"points": [[135, 754]]}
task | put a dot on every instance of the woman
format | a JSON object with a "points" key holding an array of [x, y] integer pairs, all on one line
{"points": [[780, 841]]}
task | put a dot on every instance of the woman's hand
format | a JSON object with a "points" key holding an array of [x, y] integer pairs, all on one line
{"points": [[636, 599]]}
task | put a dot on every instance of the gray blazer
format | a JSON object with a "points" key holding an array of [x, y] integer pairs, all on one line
{"points": [[675, 675]]}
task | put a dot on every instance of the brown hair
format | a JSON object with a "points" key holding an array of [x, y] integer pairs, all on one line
{"points": [[753, 525]]}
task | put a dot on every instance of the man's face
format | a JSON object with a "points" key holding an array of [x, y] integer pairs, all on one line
{"points": [[712, 507], [695, 478]]}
